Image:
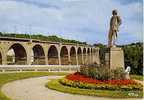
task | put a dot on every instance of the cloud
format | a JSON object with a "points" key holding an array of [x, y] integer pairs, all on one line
{"points": [[84, 20], [126, 2], [40, 4]]}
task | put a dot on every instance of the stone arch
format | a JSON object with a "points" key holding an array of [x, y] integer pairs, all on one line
{"points": [[53, 55], [84, 55], [16, 54], [73, 55], [79, 53], [64, 55], [38, 55]]}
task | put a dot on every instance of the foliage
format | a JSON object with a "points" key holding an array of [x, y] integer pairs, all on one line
{"points": [[52, 38], [125, 85], [133, 54], [137, 77], [56, 85], [8, 77], [102, 72], [118, 73]]}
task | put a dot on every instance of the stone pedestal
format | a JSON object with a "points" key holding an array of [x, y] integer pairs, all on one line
{"points": [[114, 57]]}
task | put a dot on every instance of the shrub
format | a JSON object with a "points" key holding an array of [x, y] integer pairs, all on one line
{"points": [[118, 73], [92, 73], [102, 73], [84, 70]]}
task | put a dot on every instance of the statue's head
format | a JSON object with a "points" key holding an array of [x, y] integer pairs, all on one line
{"points": [[114, 12]]}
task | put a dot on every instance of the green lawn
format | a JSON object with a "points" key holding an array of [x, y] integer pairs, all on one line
{"points": [[137, 77], [55, 85], [8, 77]]}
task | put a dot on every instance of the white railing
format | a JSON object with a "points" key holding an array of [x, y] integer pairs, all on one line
{"points": [[49, 68]]}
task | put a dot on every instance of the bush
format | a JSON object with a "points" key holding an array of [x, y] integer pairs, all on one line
{"points": [[102, 73], [118, 73], [84, 70]]}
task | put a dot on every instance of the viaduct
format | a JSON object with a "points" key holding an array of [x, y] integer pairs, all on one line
{"points": [[36, 52]]}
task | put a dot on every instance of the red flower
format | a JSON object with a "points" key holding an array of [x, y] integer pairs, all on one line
{"points": [[78, 77]]}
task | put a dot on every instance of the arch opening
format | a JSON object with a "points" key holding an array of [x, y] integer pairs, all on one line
{"points": [[38, 55], [73, 56], [53, 56], [64, 56], [79, 52], [16, 55]]}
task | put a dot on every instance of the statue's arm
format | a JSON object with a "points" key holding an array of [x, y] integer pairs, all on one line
{"points": [[119, 20], [111, 21]]}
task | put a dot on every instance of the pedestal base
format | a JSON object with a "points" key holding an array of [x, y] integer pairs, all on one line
{"points": [[114, 57]]}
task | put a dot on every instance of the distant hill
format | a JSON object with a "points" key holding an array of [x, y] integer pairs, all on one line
{"points": [[52, 38]]}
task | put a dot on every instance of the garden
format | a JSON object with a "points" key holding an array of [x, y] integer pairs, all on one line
{"points": [[99, 81]]}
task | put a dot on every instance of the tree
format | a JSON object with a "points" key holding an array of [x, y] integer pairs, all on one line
{"points": [[134, 57], [39, 36]]}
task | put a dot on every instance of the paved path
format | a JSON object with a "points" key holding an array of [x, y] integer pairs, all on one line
{"points": [[34, 89]]}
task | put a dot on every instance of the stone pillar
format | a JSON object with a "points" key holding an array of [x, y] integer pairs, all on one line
{"points": [[77, 58], [82, 58], [90, 58], [97, 56], [69, 58], [46, 59], [4, 59], [114, 57], [46, 54], [4, 49], [93, 57], [29, 55], [86, 60], [59, 57]]}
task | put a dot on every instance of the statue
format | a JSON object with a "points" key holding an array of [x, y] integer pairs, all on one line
{"points": [[115, 22], [127, 71]]}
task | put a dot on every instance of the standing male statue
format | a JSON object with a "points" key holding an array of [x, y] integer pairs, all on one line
{"points": [[115, 22]]}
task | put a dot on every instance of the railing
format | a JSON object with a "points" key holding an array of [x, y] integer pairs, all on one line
{"points": [[49, 68]]}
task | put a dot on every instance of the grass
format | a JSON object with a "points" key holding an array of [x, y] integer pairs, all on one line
{"points": [[137, 77], [55, 85], [8, 77]]}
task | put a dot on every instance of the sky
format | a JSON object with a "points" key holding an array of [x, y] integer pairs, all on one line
{"points": [[83, 20]]}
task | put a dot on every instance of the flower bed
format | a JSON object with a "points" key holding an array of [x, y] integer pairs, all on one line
{"points": [[81, 81], [78, 77]]}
